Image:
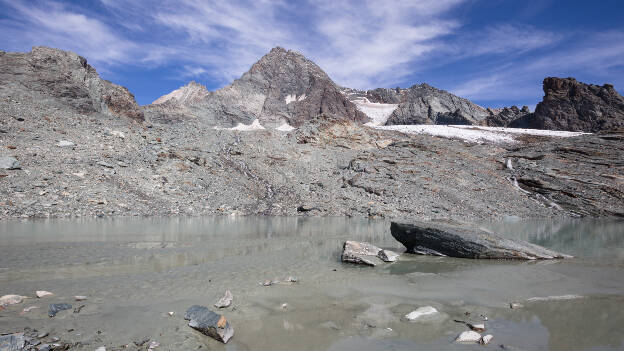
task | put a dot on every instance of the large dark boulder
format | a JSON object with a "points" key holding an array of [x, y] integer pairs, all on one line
{"points": [[209, 323], [464, 241]]}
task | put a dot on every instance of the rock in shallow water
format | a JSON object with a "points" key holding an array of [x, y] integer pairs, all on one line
{"points": [[465, 241], [468, 337], [209, 323], [12, 342], [366, 254], [421, 312], [55, 308], [225, 301]]}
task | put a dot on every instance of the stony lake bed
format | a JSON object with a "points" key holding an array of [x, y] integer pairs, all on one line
{"points": [[134, 272]]}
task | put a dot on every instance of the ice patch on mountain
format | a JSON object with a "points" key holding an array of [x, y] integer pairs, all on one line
{"points": [[377, 112]]}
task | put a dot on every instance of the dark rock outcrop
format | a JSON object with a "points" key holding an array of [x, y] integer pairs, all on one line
{"points": [[574, 106], [424, 104], [464, 241], [505, 116], [283, 86], [67, 78], [209, 323]]}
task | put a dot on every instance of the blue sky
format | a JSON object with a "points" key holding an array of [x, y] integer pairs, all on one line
{"points": [[494, 52]]}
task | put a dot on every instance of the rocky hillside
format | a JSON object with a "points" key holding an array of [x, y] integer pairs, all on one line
{"points": [[575, 106], [189, 94], [65, 79], [282, 87], [421, 104]]}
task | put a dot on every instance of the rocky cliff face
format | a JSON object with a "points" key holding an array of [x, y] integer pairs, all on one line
{"points": [[424, 104], [66, 78], [575, 106], [503, 117], [283, 86]]}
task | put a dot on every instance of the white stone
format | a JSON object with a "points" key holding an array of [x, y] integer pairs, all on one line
{"points": [[101, 348], [80, 298], [118, 134], [65, 143], [43, 293], [225, 301], [420, 312], [486, 339], [468, 337], [171, 314], [11, 300]]}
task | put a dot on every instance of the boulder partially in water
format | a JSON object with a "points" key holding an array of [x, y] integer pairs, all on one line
{"points": [[55, 308], [209, 323], [366, 254], [465, 241]]}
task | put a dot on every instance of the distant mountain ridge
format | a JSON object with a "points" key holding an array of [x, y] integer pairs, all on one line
{"points": [[283, 86]]}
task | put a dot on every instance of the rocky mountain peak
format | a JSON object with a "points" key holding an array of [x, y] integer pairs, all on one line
{"points": [[283, 86], [67, 78], [190, 93]]}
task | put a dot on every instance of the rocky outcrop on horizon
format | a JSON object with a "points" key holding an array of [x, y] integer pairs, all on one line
{"points": [[575, 106], [283, 86], [502, 117], [66, 78]]}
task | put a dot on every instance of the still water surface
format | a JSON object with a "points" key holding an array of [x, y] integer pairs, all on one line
{"points": [[136, 270]]}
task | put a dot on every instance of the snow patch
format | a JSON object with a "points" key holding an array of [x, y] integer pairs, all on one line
{"points": [[378, 112], [285, 128], [292, 98], [255, 125], [475, 134]]}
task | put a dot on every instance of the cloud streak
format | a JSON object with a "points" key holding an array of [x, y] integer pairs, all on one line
{"points": [[360, 44]]}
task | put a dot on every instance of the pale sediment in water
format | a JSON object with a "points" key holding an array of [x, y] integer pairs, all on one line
{"points": [[136, 271]]}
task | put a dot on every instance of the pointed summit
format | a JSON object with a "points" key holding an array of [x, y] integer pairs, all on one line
{"points": [[191, 93], [283, 86]]}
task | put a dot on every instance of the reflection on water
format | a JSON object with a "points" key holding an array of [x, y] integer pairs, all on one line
{"points": [[587, 238], [136, 269]]}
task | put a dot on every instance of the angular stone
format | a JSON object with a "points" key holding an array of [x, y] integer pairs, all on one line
{"points": [[209, 323], [486, 339], [388, 256], [43, 293], [468, 337], [55, 308], [7, 162], [465, 241], [11, 300], [12, 342], [360, 253], [65, 143], [421, 312], [225, 301]]}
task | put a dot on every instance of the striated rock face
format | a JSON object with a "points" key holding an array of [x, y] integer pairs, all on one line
{"points": [[575, 106], [67, 78], [464, 241], [283, 86]]}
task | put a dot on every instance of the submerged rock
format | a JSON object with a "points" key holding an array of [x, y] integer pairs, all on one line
{"points": [[421, 312], [468, 337], [465, 241], [43, 293], [11, 300], [486, 339], [225, 301], [209, 323], [55, 308]]}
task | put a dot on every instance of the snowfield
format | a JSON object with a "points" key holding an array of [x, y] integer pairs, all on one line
{"points": [[378, 112], [476, 134], [255, 125]]}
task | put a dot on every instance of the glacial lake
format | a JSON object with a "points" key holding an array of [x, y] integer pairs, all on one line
{"points": [[136, 270]]}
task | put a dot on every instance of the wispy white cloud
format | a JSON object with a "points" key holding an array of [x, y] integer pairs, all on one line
{"points": [[361, 44]]}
